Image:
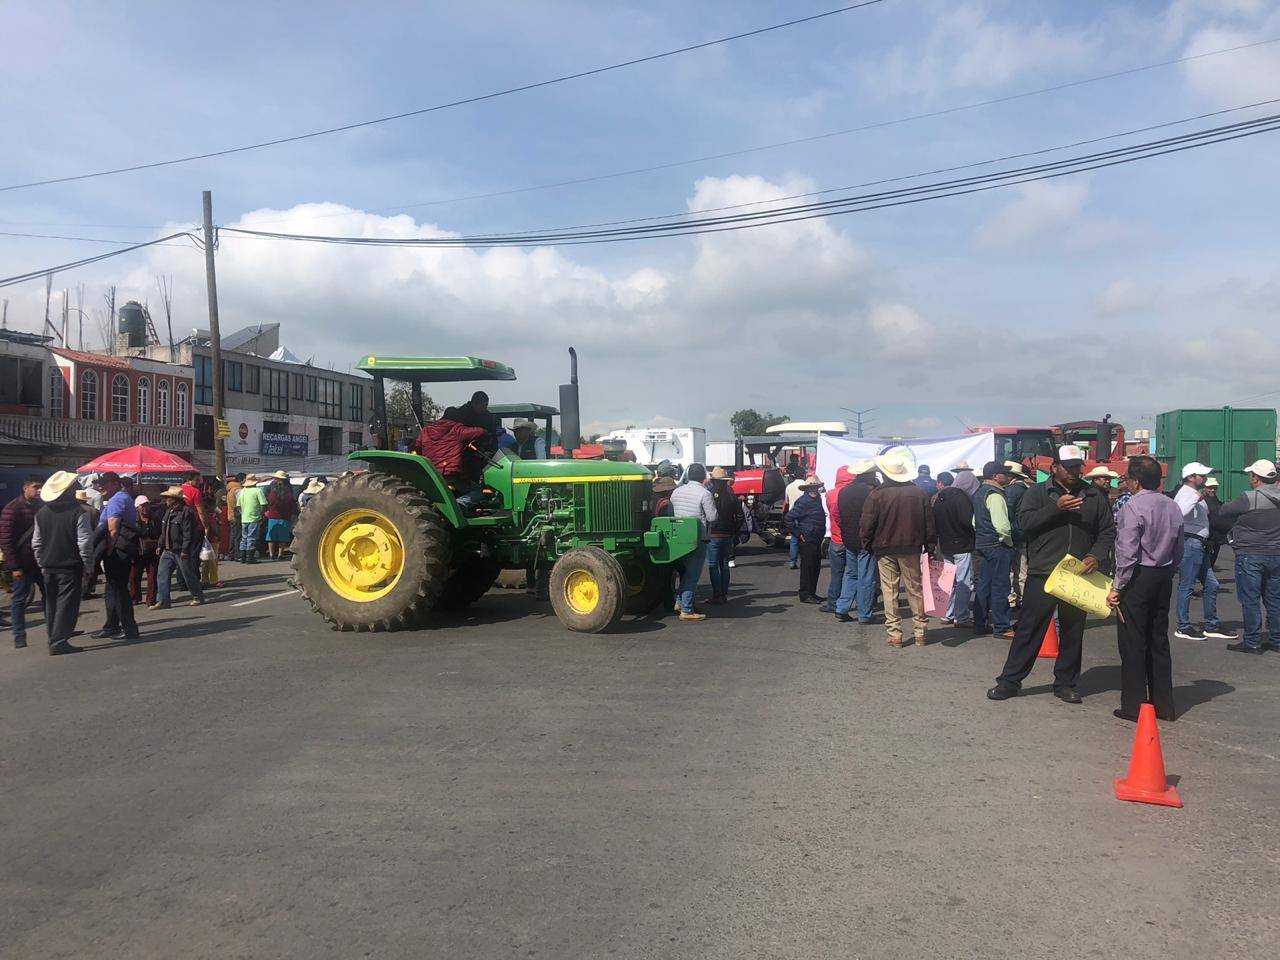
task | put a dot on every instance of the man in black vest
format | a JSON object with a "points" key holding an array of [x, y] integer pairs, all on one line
{"points": [[62, 541], [993, 541], [1064, 515]]}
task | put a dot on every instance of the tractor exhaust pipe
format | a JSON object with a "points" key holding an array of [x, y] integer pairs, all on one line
{"points": [[570, 417]]}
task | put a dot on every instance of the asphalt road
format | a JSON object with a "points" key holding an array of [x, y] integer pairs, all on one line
{"points": [[246, 783]]}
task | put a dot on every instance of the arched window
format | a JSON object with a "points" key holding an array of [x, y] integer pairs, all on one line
{"points": [[162, 402], [144, 400], [119, 398], [57, 386], [88, 395], [180, 405]]}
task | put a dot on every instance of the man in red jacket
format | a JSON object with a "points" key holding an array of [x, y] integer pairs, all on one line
{"points": [[445, 443], [836, 553], [17, 520]]}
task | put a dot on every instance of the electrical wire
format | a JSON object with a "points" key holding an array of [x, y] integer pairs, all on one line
{"points": [[55, 236], [840, 205], [760, 148], [35, 274], [523, 88]]}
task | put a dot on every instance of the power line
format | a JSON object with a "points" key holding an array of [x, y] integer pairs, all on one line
{"points": [[44, 271], [55, 236], [841, 205], [760, 148], [523, 88]]}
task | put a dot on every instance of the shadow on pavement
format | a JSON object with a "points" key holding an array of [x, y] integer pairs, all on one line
{"points": [[188, 629], [1106, 679]]}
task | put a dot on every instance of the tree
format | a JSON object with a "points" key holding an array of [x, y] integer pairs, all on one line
{"points": [[400, 408], [749, 423]]}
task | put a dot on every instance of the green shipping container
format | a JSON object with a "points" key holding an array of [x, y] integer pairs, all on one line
{"points": [[1224, 438]]}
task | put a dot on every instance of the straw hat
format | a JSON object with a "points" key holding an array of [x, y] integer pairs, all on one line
{"points": [[1015, 468], [1101, 471], [663, 485], [864, 465], [281, 475], [523, 425], [898, 464], [719, 473], [57, 485], [174, 493], [81, 495], [251, 480], [962, 465], [314, 487]]}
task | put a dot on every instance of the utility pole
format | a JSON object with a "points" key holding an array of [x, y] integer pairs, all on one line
{"points": [[860, 414], [66, 318], [215, 338]]}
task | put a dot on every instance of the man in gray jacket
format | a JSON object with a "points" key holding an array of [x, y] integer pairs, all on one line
{"points": [[1256, 541], [693, 499]]}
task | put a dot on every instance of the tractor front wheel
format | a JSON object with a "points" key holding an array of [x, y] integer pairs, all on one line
{"points": [[371, 553], [588, 590]]}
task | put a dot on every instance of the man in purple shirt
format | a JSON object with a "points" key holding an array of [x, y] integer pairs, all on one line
{"points": [[1148, 550]]}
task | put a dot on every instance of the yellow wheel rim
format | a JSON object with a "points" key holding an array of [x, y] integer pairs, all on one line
{"points": [[361, 555], [581, 592]]}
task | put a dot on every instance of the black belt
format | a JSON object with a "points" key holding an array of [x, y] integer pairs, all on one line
{"points": [[1195, 536]]}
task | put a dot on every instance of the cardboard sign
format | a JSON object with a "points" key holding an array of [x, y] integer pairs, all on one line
{"points": [[1070, 584]]}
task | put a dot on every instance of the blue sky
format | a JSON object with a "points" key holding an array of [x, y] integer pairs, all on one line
{"points": [[1128, 291]]}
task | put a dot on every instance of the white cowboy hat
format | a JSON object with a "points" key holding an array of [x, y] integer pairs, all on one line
{"points": [[1101, 471], [962, 465], [314, 487], [57, 485], [863, 466], [897, 464], [1015, 468]]}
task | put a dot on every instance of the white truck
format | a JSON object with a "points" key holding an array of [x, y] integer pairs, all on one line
{"points": [[680, 445]]}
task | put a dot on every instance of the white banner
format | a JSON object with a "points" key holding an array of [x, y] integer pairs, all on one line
{"points": [[937, 453]]}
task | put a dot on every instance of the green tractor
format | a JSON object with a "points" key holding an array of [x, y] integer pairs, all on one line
{"points": [[389, 547]]}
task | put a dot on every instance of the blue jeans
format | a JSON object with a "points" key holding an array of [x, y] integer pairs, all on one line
{"points": [[248, 537], [795, 550], [719, 553], [836, 555], [1195, 566], [18, 611], [960, 609], [860, 581], [690, 574], [188, 573], [1257, 584], [993, 589]]}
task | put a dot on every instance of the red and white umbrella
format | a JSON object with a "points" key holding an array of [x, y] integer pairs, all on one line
{"points": [[138, 461]]}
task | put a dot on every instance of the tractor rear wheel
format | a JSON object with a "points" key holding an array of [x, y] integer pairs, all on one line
{"points": [[371, 553], [588, 590], [469, 581]]}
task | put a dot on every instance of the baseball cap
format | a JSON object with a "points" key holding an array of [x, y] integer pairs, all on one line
{"points": [[1261, 468], [993, 468], [1070, 452], [1197, 469], [1211, 482]]}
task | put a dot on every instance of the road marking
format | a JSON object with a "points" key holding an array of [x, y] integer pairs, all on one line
{"points": [[273, 596]]}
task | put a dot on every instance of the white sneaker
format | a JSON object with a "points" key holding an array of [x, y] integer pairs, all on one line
{"points": [[732, 564], [1218, 633]]}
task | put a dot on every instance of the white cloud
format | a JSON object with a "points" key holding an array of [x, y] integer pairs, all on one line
{"points": [[1040, 207], [966, 48], [1123, 297], [899, 331]]}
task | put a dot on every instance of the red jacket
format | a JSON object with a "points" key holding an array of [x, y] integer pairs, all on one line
{"points": [[16, 522], [443, 442], [844, 477]]}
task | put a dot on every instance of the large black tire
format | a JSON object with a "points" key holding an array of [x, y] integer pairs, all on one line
{"points": [[603, 576], [427, 550], [470, 580], [648, 585]]}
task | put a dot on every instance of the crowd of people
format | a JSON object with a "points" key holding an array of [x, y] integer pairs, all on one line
{"points": [[60, 537], [1004, 535]]}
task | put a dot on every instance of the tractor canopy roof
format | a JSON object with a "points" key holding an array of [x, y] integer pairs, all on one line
{"points": [[435, 369], [523, 411]]}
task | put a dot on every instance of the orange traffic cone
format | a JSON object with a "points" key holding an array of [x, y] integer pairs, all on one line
{"points": [[1145, 782], [1049, 648]]}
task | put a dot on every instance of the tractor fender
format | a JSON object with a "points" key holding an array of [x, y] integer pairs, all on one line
{"points": [[671, 538], [418, 471]]}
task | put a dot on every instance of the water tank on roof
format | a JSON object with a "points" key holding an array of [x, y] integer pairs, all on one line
{"points": [[133, 323]]}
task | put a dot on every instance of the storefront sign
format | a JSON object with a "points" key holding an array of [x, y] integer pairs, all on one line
{"points": [[284, 445]]}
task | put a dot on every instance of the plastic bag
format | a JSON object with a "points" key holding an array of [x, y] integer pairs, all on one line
{"points": [[206, 552]]}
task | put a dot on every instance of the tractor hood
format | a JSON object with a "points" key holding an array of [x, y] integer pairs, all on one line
{"points": [[575, 471]]}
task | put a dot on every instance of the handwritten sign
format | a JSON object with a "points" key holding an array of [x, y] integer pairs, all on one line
{"points": [[1070, 584]]}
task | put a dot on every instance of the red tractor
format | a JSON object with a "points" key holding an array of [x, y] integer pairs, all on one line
{"points": [[1103, 442]]}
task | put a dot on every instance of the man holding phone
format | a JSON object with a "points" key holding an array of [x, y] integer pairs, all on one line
{"points": [[1064, 515]]}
